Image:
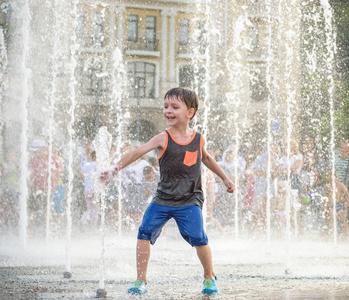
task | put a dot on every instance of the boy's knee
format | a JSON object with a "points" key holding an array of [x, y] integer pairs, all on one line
{"points": [[146, 233], [196, 240]]}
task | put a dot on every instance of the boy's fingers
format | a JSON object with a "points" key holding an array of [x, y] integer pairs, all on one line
{"points": [[230, 188]]}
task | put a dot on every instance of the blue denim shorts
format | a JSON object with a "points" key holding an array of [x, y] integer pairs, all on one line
{"points": [[189, 221]]}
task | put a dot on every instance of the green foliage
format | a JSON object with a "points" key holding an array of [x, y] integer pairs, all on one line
{"points": [[341, 117], [315, 104], [342, 120]]}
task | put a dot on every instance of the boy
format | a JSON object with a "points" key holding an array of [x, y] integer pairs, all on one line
{"points": [[179, 194]]}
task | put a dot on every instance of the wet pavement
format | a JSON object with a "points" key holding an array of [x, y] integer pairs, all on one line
{"points": [[246, 269]]}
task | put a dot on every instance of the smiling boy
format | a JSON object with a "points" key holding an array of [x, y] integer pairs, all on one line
{"points": [[179, 194]]}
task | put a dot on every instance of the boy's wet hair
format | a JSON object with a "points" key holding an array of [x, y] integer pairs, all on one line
{"points": [[187, 95]]}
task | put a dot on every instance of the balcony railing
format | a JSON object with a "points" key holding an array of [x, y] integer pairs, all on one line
{"points": [[261, 8], [143, 44], [191, 49]]}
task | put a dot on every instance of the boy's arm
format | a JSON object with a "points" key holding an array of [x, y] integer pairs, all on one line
{"points": [[210, 163], [156, 142]]}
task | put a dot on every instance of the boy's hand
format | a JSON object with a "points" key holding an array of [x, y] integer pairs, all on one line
{"points": [[230, 185]]}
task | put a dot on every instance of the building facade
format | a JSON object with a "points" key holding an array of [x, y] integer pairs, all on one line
{"points": [[239, 56]]}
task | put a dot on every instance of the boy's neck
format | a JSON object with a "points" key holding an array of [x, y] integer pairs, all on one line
{"points": [[181, 130], [181, 133]]}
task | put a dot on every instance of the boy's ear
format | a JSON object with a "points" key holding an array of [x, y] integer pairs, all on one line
{"points": [[190, 113]]}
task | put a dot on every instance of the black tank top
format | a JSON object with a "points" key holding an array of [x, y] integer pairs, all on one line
{"points": [[180, 173]]}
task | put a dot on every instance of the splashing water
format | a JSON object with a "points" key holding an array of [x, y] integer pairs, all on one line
{"points": [[331, 51], [237, 75], [3, 66], [118, 75], [25, 12], [73, 63], [102, 144]]}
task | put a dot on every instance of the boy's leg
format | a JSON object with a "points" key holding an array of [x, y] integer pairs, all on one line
{"points": [[190, 224], [143, 255], [153, 220], [205, 256]]}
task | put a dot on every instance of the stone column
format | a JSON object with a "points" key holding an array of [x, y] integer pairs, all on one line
{"points": [[172, 50], [163, 67], [120, 36], [112, 9]]}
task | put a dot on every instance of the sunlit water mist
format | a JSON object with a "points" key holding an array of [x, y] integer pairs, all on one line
{"points": [[72, 88], [202, 54], [25, 72], [102, 145], [319, 50], [3, 67], [238, 76], [331, 51], [289, 31], [118, 79], [52, 107], [269, 118]]}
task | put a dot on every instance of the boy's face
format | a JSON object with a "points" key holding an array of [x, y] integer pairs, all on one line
{"points": [[176, 111]]}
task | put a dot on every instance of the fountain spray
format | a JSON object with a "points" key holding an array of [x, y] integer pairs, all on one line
{"points": [[236, 75], [73, 49], [52, 99], [269, 103], [331, 50], [102, 145], [25, 33], [290, 93], [3, 67], [118, 80], [202, 57]]}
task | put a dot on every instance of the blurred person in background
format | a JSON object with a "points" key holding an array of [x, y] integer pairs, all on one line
{"points": [[92, 208], [9, 191], [341, 207], [38, 183]]}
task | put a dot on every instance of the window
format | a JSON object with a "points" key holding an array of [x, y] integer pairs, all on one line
{"points": [[132, 29], [202, 37], [258, 83], [150, 32], [186, 76], [98, 36], [80, 27], [257, 37], [183, 38], [254, 41], [91, 83], [141, 79]]}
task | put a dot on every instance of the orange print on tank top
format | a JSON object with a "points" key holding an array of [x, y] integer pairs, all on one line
{"points": [[190, 158]]}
